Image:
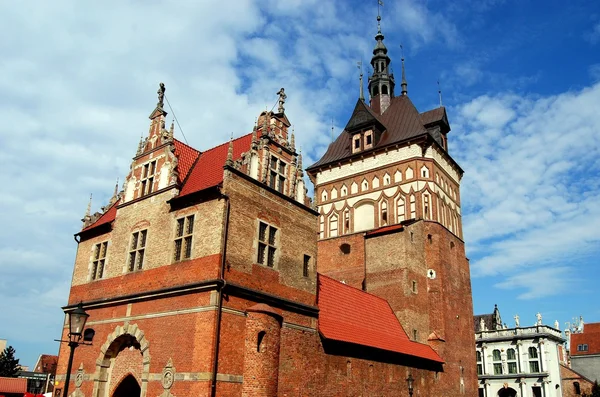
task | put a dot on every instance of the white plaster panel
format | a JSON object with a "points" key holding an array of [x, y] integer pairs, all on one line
{"points": [[364, 217], [407, 186], [390, 191], [373, 196], [354, 188], [326, 208], [375, 183], [368, 163], [443, 163]]}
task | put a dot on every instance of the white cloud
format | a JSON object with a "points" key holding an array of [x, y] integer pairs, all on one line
{"points": [[540, 283], [531, 181]]}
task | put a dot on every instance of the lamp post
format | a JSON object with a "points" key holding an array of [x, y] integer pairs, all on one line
{"points": [[409, 382], [77, 320]]}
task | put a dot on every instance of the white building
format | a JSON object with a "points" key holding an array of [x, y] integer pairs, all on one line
{"points": [[519, 361]]}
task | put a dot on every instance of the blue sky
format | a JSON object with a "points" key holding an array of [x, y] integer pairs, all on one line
{"points": [[520, 80]]}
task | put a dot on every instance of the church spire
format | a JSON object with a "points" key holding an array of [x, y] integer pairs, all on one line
{"points": [[361, 94], [404, 84], [381, 83]]}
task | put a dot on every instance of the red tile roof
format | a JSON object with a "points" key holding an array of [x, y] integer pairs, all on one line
{"points": [[186, 156], [590, 336], [385, 230], [350, 315], [208, 171], [107, 217], [13, 385]]}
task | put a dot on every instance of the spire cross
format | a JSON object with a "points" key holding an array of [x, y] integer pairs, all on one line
{"points": [[379, 5], [362, 95], [404, 84], [440, 92]]}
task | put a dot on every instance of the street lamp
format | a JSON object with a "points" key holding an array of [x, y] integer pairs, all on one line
{"points": [[409, 382], [77, 320]]}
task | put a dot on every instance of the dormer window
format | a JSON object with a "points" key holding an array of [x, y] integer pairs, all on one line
{"points": [[368, 139], [356, 143], [277, 180], [148, 172]]}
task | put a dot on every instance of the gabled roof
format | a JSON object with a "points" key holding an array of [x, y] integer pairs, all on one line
{"points": [[401, 122], [186, 156], [208, 171], [434, 116], [13, 385], [362, 115], [590, 336], [347, 314]]}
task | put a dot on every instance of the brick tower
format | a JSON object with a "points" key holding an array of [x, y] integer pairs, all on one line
{"points": [[388, 197]]}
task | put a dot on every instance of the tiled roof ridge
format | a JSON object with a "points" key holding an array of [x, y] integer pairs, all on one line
{"points": [[357, 289], [225, 143], [96, 223], [185, 144]]}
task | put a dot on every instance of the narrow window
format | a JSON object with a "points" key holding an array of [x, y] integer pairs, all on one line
{"points": [[384, 89], [277, 179], [414, 286], [479, 364], [534, 364], [99, 259], [400, 210], [267, 248], [511, 359], [497, 359], [356, 144], [368, 139], [384, 213], [347, 221], [259, 340], [430, 238], [333, 226], [414, 334], [306, 265], [137, 250], [577, 387], [321, 226], [147, 181], [413, 207], [183, 238]]}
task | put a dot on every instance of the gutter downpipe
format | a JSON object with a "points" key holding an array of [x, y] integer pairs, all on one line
{"points": [[213, 385]]}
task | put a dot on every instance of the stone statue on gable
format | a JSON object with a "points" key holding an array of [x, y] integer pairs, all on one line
{"points": [[538, 316], [482, 326], [517, 321]]}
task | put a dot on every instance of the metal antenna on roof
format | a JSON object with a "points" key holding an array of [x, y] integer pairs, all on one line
{"points": [[439, 92], [331, 130], [176, 120]]}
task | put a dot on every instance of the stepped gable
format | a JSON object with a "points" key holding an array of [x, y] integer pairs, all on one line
{"points": [[208, 170], [401, 122], [347, 314]]}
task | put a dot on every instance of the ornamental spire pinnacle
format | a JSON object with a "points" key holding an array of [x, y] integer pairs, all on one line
{"points": [[230, 152], [404, 84], [88, 211]]}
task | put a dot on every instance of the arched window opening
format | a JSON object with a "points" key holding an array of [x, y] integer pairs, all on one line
{"points": [[333, 226], [375, 90], [534, 364], [347, 221], [511, 359], [384, 213], [384, 90], [259, 340], [577, 387], [426, 207], [324, 195], [400, 210], [479, 364], [413, 207], [497, 359]]}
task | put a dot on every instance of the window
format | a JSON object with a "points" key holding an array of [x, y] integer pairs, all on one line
{"points": [[582, 348], [426, 206], [267, 236], [137, 249], [415, 334], [259, 341], [99, 259], [497, 359], [306, 266], [183, 238], [321, 226], [277, 180], [479, 364], [400, 210], [148, 178], [356, 143], [384, 213], [413, 207], [511, 358], [414, 286], [347, 221], [534, 365], [384, 89], [368, 139], [333, 226], [345, 248], [577, 387]]}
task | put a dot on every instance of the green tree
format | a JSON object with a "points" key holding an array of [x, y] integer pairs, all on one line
{"points": [[9, 365]]}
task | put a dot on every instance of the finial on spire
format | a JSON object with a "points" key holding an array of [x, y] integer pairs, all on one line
{"points": [[230, 152], [300, 159], [440, 92], [140, 146], [404, 84], [361, 92], [379, 5], [88, 211], [293, 141], [116, 188], [282, 98], [161, 95], [172, 129]]}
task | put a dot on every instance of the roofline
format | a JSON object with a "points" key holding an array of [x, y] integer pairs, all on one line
{"points": [[571, 369], [425, 136]]}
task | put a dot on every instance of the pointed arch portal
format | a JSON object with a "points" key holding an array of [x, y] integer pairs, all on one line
{"points": [[129, 387]]}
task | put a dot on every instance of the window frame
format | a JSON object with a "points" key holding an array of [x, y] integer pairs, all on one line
{"points": [[368, 135], [148, 175], [137, 251], [267, 245], [277, 175], [99, 260], [183, 243], [306, 266]]}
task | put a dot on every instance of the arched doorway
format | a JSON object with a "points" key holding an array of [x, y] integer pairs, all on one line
{"points": [[507, 392], [128, 387]]}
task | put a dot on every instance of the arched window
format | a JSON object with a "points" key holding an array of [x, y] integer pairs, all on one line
{"points": [[534, 364], [400, 210], [375, 90], [324, 195], [333, 226], [425, 172], [497, 359], [347, 221], [259, 341], [577, 387], [321, 226], [479, 364], [384, 90], [511, 359], [426, 206], [384, 213], [413, 207]]}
